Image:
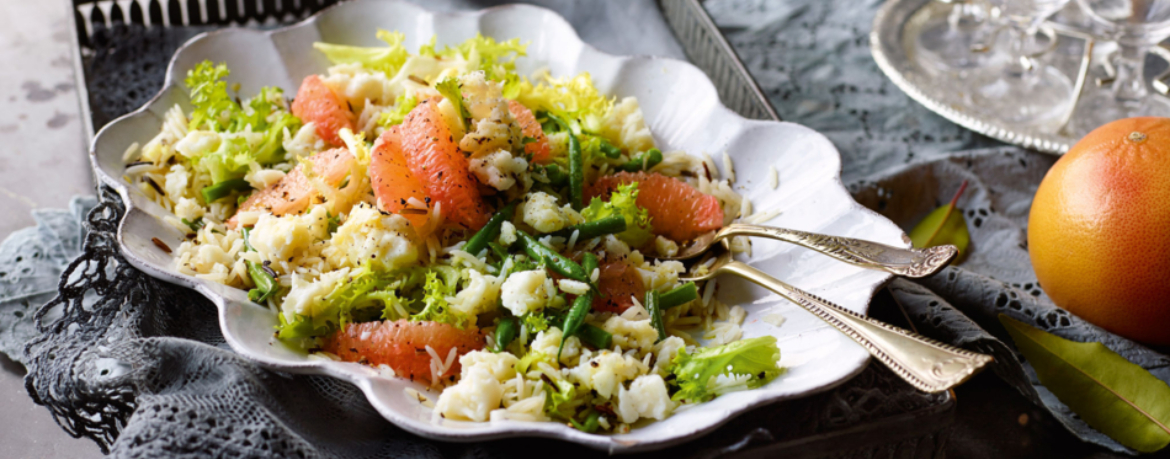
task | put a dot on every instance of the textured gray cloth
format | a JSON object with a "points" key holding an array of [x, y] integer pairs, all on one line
{"points": [[813, 59], [139, 365]]}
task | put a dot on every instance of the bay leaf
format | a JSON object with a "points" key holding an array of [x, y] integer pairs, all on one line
{"points": [[1113, 395], [944, 225]]}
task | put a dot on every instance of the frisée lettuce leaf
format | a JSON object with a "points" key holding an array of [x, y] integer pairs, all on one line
{"points": [[623, 202], [575, 100], [388, 59], [750, 362]]}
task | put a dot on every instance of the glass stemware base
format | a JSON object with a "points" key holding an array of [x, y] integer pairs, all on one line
{"points": [[1039, 97], [944, 48], [1101, 107]]}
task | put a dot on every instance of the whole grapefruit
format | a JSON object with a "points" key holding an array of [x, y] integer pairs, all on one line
{"points": [[1099, 229]]}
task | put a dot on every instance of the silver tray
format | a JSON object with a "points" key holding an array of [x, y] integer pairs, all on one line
{"points": [[888, 43]]}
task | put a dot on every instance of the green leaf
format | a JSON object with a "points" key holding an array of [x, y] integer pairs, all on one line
{"points": [[449, 88], [944, 225], [1113, 395]]}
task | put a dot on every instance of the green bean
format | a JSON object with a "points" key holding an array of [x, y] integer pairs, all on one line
{"points": [[488, 233], [556, 176], [576, 173], [499, 250], [591, 424], [247, 245], [608, 149], [612, 224], [596, 337], [224, 189], [654, 307], [589, 334], [681, 295], [581, 306], [558, 263], [576, 164], [644, 161], [505, 332]]}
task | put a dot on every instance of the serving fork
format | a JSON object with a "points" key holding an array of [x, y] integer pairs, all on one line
{"points": [[906, 262], [926, 364]]}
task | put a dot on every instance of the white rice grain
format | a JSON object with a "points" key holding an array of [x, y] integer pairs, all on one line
{"points": [[728, 168], [773, 177]]}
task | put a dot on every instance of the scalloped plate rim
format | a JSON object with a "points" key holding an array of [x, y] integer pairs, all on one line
{"points": [[612, 443]]}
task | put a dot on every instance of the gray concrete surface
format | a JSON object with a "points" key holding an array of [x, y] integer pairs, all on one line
{"points": [[42, 164]]}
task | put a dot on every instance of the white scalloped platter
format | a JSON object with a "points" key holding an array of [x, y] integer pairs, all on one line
{"points": [[683, 111]]}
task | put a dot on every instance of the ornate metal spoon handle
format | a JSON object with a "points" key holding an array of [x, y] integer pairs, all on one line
{"points": [[926, 364], [903, 262]]}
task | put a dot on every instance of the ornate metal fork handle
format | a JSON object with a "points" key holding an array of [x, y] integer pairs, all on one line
{"points": [[926, 364], [903, 262]]}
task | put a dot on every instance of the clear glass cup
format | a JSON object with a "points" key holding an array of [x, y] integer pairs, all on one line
{"points": [[956, 39], [1136, 26], [1025, 90]]}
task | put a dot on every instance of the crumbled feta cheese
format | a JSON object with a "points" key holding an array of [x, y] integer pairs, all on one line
{"points": [[262, 178], [646, 398], [499, 170], [526, 291], [665, 247], [188, 208], [480, 389], [541, 212], [197, 143], [304, 143], [631, 334], [368, 235], [176, 182], [660, 275], [473, 398], [282, 238], [573, 287], [479, 296], [501, 365], [606, 371], [665, 352], [547, 342], [305, 296], [492, 125], [507, 233], [615, 246], [356, 85]]}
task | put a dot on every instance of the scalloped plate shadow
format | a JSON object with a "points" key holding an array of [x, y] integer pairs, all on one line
{"points": [[683, 111]]}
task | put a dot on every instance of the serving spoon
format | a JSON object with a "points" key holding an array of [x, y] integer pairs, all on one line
{"points": [[910, 262], [926, 364]]}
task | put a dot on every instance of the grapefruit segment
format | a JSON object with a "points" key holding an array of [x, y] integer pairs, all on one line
{"points": [[316, 103], [435, 161], [539, 149], [618, 284], [677, 210], [394, 184], [294, 192], [402, 345]]}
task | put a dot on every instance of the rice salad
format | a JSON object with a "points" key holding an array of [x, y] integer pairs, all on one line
{"points": [[446, 220]]}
